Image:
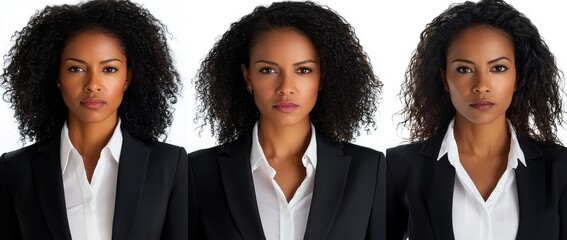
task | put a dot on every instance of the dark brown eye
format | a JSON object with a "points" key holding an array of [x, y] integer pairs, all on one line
{"points": [[110, 70], [304, 70], [267, 70], [75, 69], [464, 70], [499, 68]]}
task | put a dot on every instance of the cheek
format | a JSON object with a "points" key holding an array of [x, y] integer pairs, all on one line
{"points": [[114, 86], [312, 91], [311, 85], [262, 96], [458, 94], [506, 82], [116, 91], [457, 89], [70, 89], [117, 94], [507, 91]]}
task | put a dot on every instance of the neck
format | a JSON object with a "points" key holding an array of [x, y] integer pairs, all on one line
{"points": [[284, 142], [482, 140], [90, 138]]}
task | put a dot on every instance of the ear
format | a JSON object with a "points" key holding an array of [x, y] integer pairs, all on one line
{"points": [[246, 76], [442, 73], [128, 79]]}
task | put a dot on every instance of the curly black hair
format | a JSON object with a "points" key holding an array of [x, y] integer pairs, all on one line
{"points": [[536, 106], [349, 89], [33, 64]]}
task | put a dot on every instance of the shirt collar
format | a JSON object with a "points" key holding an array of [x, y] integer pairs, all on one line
{"points": [[449, 147], [114, 145], [257, 154]]}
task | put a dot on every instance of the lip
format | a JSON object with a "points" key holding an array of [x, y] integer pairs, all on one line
{"points": [[286, 106], [93, 103], [482, 105]]}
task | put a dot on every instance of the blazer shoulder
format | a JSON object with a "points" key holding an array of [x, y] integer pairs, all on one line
{"points": [[555, 150], [205, 158], [533, 149], [27, 152], [406, 149], [553, 154], [236, 147], [165, 147], [361, 151], [167, 151], [206, 154], [410, 157]]}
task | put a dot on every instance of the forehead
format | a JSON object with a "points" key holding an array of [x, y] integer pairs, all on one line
{"points": [[480, 40], [93, 43], [283, 43]]}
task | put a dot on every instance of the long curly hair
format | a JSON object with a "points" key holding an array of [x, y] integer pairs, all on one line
{"points": [[32, 66], [349, 91], [536, 106]]}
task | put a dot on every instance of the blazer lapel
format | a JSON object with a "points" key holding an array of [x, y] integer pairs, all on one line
{"points": [[130, 184], [330, 181], [439, 195], [530, 181], [236, 174], [49, 186]]}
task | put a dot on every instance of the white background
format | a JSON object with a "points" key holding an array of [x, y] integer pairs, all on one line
{"points": [[388, 31]]}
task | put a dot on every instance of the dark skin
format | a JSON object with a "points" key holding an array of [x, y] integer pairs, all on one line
{"points": [[285, 160], [481, 79], [483, 162], [93, 77], [284, 75]]}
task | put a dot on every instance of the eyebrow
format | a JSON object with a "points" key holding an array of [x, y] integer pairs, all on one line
{"points": [[295, 64], [471, 62], [101, 62]]}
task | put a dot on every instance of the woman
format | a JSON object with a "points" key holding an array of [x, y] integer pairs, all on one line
{"points": [[93, 85], [284, 90], [483, 111]]}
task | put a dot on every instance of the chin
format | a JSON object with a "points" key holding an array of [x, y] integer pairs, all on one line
{"points": [[93, 119], [483, 119], [284, 121]]}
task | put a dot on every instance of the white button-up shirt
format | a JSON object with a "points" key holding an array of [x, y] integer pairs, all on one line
{"points": [[282, 220], [90, 207], [497, 218]]}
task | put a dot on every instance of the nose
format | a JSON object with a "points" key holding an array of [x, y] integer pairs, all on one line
{"points": [[287, 84], [93, 83], [482, 83]]}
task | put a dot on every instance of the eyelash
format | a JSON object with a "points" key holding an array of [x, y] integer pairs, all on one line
{"points": [[75, 69], [105, 70], [464, 70], [497, 68], [110, 70], [304, 70], [503, 68], [267, 70], [301, 70]]}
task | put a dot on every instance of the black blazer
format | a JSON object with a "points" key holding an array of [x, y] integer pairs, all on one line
{"points": [[420, 191], [348, 194], [151, 193]]}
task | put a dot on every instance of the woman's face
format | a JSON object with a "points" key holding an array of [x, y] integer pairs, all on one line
{"points": [[93, 77], [480, 74], [284, 75]]}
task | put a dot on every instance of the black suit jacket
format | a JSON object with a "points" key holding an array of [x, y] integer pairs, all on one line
{"points": [[151, 193], [348, 194], [420, 191]]}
